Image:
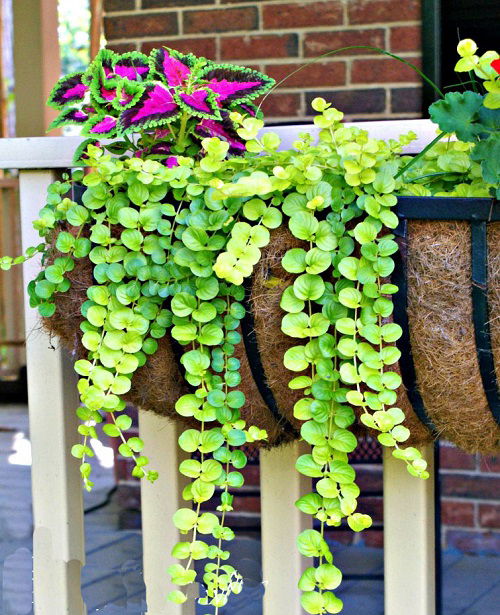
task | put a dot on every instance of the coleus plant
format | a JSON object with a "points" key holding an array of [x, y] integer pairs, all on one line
{"points": [[173, 219], [170, 99]]}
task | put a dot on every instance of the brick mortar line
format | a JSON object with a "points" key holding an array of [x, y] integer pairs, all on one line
{"points": [[274, 2], [388, 99], [348, 117], [326, 29], [286, 60], [302, 104], [211, 8], [217, 49], [472, 529], [277, 33], [243, 3], [352, 86], [262, 61], [180, 22], [222, 7], [331, 59], [474, 473], [464, 500], [345, 12], [348, 72]]}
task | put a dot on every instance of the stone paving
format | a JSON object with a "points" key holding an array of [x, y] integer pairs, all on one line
{"points": [[112, 581]]}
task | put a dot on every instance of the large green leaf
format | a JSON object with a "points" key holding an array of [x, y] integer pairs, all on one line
{"points": [[487, 152], [457, 112]]}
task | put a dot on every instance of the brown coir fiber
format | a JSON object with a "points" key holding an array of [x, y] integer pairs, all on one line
{"points": [[269, 282], [157, 385], [442, 332]]}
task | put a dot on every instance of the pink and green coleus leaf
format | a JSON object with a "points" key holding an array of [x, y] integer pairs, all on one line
{"points": [[81, 154], [128, 94], [109, 70], [100, 125], [101, 67], [155, 107], [120, 93], [67, 91], [107, 64], [172, 67], [133, 66], [235, 84], [73, 115], [105, 92], [248, 109], [200, 103]]}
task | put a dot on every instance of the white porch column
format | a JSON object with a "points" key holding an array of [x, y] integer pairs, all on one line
{"points": [[58, 539], [282, 564], [409, 539], [160, 500]]}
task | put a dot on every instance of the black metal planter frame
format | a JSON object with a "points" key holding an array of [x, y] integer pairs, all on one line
{"points": [[478, 212]]}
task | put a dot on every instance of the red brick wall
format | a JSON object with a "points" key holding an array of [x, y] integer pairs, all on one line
{"points": [[470, 486], [277, 37], [470, 502]]}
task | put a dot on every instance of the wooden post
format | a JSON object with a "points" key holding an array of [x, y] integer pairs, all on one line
{"points": [[37, 65], [3, 88], [159, 503], [95, 27], [282, 565], [409, 539], [58, 539]]}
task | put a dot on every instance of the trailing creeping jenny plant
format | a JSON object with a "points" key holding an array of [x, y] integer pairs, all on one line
{"points": [[176, 211]]}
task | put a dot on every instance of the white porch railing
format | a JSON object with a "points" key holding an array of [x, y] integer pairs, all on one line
{"points": [[59, 549]]}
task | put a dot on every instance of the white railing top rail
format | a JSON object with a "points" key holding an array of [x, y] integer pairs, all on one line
{"points": [[57, 152]]}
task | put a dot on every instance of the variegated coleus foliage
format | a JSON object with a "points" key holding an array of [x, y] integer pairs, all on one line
{"points": [[172, 100]]}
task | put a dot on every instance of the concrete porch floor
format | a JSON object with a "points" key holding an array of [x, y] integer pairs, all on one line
{"points": [[112, 578]]}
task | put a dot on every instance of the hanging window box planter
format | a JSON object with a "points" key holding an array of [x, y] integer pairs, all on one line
{"points": [[448, 273], [249, 292]]}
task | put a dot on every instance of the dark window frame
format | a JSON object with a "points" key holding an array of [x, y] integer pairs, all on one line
{"points": [[431, 49]]}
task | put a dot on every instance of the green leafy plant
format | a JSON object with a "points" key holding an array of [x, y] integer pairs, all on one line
{"points": [[337, 198], [474, 115], [174, 217]]}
